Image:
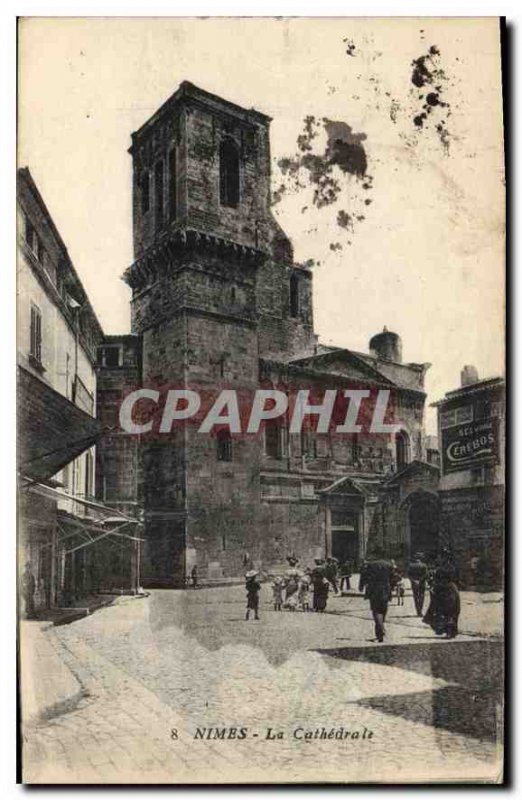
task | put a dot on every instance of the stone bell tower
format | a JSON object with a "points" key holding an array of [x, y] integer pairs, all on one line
{"points": [[211, 285]]}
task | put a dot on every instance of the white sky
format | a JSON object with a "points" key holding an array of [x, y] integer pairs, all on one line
{"points": [[427, 261]]}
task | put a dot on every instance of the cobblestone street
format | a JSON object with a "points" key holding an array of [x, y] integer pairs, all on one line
{"points": [[182, 661]]}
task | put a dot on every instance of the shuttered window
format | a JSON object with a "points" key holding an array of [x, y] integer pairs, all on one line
{"points": [[36, 334]]}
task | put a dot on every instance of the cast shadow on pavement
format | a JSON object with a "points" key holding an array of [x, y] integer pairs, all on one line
{"points": [[451, 708], [468, 706]]}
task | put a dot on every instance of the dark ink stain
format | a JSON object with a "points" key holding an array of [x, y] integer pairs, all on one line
{"points": [[350, 47], [394, 109], [344, 220], [345, 148], [334, 172], [433, 99], [427, 73]]}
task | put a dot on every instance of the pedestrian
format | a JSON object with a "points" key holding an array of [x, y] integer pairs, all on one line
{"points": [[303, 593], [28, 589], [444, 609], [400, 590], [362, 577], [331, 573], [379, 581], [194, 576], [292, 576], [320, 586], [277, 592], [418, 575], [345, 573], [253, 588]]}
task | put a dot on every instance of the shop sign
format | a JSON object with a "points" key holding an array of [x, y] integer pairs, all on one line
{"points": [[469, 446]]}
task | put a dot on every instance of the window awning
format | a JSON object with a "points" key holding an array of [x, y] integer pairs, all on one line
{"points": [[51, 431], [93, 522]]}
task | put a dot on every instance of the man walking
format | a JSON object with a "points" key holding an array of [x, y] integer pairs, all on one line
{"points": [[194, 576], [345, 573], [378, 582], [418, 575], [330, 572]]}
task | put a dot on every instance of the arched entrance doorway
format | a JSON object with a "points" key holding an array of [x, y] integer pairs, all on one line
{"points": [[423, 522]]}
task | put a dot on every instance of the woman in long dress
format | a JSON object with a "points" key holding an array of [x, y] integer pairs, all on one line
{"points": [[444, 609], [292, 576], [320, 586]]}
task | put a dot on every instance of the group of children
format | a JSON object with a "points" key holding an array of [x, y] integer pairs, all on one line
{"points": [[292, 592], [304, 590], [297, 590]]}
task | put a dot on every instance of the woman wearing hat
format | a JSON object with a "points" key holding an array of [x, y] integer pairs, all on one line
{"points": [[292, 576], [320, 585], [252, 587], [444, 609]]}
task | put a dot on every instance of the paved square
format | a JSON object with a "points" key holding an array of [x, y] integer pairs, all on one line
{"points": [[154, 671]]}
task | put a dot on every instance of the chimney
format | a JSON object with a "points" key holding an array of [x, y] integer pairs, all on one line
{"points": [[386, 346], [468, 375]]}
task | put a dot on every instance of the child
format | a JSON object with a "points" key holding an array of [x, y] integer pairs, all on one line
{"points": [[303, 593], [252, 587], [399, 587], [277, 591]]}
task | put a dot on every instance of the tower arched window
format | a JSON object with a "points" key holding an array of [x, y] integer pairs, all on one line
{"points": [[294, 296], [402, 449], [228, 173]]}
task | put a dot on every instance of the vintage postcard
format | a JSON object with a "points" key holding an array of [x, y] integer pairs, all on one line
{"points": [[261, 392]]}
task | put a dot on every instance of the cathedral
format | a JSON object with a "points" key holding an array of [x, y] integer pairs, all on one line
{"points": [[219, 302]]}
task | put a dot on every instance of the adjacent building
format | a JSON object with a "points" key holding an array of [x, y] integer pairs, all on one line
{"points": [[219, 302], [64, 539], [471, 422]]}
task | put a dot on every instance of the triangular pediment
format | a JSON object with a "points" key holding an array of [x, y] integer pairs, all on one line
{"points": [[414, 468], [345, 485], [345, 364]]}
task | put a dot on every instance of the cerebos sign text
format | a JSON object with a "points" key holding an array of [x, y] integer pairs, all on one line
{"points": [[469, 446]]}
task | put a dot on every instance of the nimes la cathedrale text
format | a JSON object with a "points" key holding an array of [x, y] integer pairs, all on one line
{"points": [[271, 734]]}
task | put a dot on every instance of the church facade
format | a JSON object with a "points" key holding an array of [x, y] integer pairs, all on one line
{"points": [[219, 302]]}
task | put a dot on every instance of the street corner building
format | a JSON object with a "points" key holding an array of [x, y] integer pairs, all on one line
{"points": [[218, 301], [71, 546], [472, 436]]}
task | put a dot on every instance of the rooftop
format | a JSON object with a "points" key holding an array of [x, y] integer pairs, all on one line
{"points": [[189, 91], [472, 388]]}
